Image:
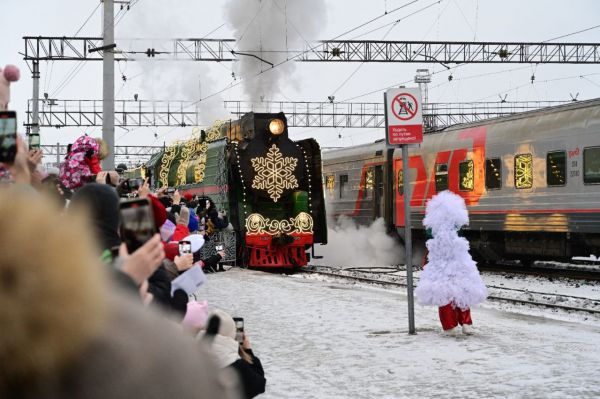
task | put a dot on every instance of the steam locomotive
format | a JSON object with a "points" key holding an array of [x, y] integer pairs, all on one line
{"points": [[270, 186], [531, 182]]}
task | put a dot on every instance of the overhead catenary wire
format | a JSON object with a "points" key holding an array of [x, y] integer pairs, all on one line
{"points": [[311, 48], [79, 66]]}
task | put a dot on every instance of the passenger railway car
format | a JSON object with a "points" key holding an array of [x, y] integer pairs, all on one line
{"points": [[269, 185], [531, 182]]}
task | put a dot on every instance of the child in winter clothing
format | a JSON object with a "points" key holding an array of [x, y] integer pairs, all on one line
{"points": [[450, 280], [83, 161], [230, 354]]}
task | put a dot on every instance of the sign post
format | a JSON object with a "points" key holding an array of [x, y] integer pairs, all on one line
{"points": [[404, 126]]}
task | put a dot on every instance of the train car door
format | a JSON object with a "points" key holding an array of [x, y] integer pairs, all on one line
{"points": [[378, 198]]}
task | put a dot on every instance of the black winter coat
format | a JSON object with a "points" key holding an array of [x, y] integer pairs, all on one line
{"points": [[251, 375]]}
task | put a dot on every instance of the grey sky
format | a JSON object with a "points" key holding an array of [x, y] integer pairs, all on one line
{"points": [[508, 20]]}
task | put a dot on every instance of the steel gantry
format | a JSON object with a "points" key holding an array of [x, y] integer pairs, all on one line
{"points": [[54, 48], [128, 154], [131, 113]]}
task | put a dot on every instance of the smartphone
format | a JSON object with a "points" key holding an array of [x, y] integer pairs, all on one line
{"points": [[8, 136], [170, 190], [219, 247], [239, 329], [135, 184], [185, 247], [137, 223]]}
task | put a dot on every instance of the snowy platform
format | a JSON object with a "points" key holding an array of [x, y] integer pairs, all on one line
{"points": [[321, 339]]}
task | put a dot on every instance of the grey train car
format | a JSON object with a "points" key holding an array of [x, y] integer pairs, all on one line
{"points": [[531, 182]]}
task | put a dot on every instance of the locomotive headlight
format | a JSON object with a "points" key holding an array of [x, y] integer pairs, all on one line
{"points": [[276, 127]]}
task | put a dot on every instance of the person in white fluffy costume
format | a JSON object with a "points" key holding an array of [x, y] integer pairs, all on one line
{"points": [[450, 279]]}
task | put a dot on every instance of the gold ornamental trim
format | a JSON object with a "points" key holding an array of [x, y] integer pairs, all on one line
{"points": [[165, 165], [258, 224]]}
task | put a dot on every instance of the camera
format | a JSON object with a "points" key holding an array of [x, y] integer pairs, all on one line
{"points": [[135, 184], [219, 247], [137, 223], [185, 247], [239, 329], [8, 136], [170, 190]]}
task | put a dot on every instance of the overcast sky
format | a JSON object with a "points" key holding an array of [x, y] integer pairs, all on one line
{"points": [[451, 20]]}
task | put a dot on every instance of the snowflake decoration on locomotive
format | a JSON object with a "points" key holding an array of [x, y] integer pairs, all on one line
{"points": [[274, 173]]}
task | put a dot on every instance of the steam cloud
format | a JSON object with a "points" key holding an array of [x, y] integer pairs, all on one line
{"points": [[269, 29], [174, 80], [351, 245]]}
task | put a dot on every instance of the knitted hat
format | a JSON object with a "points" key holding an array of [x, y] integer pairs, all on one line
{"points": [[196, 314], [188, 197], [227, 326], [158, 210]]}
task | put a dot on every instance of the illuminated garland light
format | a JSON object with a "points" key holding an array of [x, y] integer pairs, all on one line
{"points": [[237, 155], [274, 173], [258, 224], [524, 171]]}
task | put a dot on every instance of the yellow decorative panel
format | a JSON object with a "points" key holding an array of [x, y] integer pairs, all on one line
{"points": [[524, 171], [466, 176], [330, 182], [370, 179]]}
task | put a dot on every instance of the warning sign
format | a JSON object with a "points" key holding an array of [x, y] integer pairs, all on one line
{"points": [[403, 116]]}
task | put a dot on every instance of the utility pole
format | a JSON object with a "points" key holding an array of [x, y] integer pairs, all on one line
{"points": [[108, 81], [35, 116]]}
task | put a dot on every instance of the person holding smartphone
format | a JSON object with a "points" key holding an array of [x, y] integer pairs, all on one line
{"points": [[221, 332]]}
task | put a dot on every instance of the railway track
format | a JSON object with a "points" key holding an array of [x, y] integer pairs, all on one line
{"points": [[496, 293], [543, 269]]}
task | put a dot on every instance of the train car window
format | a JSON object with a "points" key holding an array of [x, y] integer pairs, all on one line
{"points": [[493, 174], [343, 185], [556, 168], [591, 165], [466, 176], [524, 171], [400, 182], [441, 177]]}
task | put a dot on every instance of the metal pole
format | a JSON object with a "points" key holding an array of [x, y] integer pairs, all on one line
{"points": [[408, 240], [58, 155], [108, 91], [35, 114]]}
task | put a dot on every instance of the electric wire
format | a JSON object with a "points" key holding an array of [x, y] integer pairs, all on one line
{"points": [[398, 20]]}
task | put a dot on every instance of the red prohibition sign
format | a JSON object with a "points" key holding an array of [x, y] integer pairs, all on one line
{"points": [[411, 113]]}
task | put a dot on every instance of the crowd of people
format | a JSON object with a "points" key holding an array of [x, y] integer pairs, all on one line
{"points": [[90, 309]]}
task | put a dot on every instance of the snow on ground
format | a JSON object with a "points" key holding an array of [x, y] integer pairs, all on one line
{"points": [[326, 339]]}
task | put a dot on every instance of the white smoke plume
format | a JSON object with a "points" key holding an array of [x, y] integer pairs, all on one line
{"points": [[274, 30], [351, 245], [159, 21]]}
